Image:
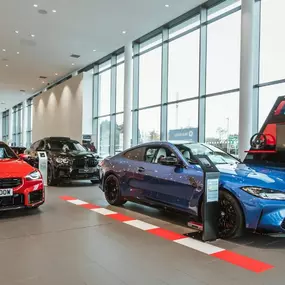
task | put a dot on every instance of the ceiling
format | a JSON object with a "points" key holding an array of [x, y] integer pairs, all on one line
{"points": [[76, 27]]}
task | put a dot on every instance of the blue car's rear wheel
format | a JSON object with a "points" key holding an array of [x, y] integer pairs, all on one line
{"points": [[112, 191], [231, 220]]}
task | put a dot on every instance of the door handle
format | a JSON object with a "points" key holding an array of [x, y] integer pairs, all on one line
{"points": [[141, 169]]}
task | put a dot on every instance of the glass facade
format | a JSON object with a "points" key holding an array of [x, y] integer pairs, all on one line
{"points": [[5, 126], [17, 115], [29, 126], [186, 79]]}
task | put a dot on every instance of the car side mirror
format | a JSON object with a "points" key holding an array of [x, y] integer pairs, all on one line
{"points": [[22, 156]]}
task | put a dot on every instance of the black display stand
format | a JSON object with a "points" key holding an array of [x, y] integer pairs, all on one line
{"points": [[211, 206]]}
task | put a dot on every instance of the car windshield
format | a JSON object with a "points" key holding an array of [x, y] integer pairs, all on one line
{"points": [[6, 152], [216, 155], [65, 145]]}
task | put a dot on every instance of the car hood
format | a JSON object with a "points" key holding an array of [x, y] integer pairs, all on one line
{"points": [[74, 153], [14, 168], [253, 175]]}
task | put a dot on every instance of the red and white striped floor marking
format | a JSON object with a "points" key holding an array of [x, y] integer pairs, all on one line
{"points": [[206, 248]]}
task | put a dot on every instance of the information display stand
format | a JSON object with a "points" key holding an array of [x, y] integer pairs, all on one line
{"points": [[43, 165], [211, 206]]}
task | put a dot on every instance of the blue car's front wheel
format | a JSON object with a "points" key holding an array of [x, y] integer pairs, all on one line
{"points": [[112, 191], [231, 220]]}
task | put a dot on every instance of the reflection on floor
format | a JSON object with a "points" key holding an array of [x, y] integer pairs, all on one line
{"points": [[65, 244]]}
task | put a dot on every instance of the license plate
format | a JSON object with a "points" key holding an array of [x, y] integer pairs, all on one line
{"points": [[6, 192], [87, 170]]}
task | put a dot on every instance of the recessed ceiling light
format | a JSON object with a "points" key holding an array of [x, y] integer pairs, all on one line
{"points": [[55, 74], [54, 11], [32, 35], [33, 88], [94, 50], [3, 49], [36, 5], [18, 52], [43, 82], [7, 65], [17, 32], [124, 32], [166, 5], [72, 64]]}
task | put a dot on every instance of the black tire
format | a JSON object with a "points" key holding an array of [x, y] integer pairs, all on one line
{"points": [[112, 191], [94, 181], [231, 220], [51, 181]]}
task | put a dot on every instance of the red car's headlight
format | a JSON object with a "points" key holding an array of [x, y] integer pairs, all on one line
{"points": [[35, 175]]}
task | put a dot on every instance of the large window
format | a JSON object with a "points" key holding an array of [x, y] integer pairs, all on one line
{"points": [[5, 126], [149, 125], [272, 44], [182, 121], [104, 92], [183, 78], [17, 125], [108, 106], [29, 122], [104, 136], [150, 78], [222, 121], [267, 98], [223, 54], [120, 88]]}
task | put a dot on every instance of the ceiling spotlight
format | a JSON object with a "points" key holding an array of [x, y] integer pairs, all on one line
{"points": [[35, 5], [72, 64], [32, 35], [94, 50], [17, 32], [43, 82], [7, 65], [124, 32], [54, 11], [18, 52], [55, 74], [3, 49], [33, 88], [166, 5]]}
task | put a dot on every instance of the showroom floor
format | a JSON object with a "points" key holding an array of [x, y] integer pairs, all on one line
{"points": [[70, 242]]}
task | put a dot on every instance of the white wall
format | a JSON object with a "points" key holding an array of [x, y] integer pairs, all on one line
{"points": [[58, 111]]}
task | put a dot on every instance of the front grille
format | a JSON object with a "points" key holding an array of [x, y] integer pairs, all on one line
{"points": [[85, 162], [16, 200], [283, 224], [36, 196], [10, 182]]}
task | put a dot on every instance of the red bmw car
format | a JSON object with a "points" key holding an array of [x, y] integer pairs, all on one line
{"points": [[21, 185]]}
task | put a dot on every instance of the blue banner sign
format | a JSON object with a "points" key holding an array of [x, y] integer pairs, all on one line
{"points": [[189, 135]]}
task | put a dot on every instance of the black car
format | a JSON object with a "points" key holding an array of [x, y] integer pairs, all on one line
{"points": [[18, 149], [67, 160]]}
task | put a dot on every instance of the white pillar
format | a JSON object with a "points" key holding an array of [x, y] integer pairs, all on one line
{"points": [[128, 86], [246, 76]]}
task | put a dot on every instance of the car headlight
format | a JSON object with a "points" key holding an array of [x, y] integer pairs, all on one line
{"points": [[35, 175], [62, 160], [264, 193]]}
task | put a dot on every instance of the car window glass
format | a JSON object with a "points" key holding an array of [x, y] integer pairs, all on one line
{"points": [[150, 154], [6, 152], [41, 145], [163, 152], [135, 154], [35, 145]]}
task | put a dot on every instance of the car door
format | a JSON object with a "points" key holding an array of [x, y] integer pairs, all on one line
{"points": [[169, 184]]}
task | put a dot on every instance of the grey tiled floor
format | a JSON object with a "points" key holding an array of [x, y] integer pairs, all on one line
{"points": [[67, 245]]}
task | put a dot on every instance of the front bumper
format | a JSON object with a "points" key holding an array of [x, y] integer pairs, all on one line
{"points": [[272, 218], [78, 173], [28, 195]]}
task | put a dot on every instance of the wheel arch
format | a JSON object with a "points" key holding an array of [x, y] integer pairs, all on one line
{"points": [[107, 174]]}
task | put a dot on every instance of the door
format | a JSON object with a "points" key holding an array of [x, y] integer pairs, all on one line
{"points": [[167, 182]]}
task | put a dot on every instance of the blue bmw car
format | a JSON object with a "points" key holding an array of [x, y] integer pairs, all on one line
{"points": [[166, 175]]}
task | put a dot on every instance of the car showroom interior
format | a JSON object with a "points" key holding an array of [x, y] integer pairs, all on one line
{"points": [[143, 142]]}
